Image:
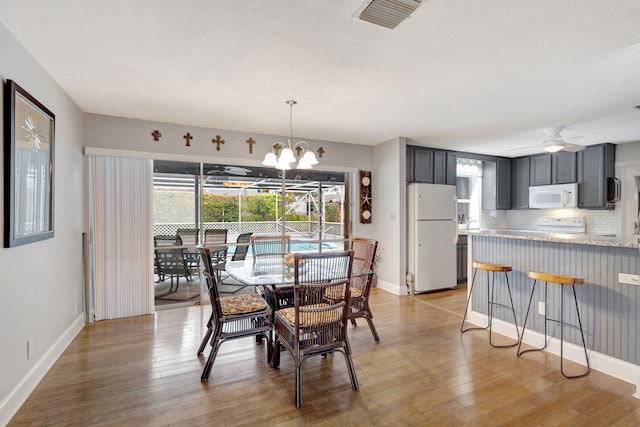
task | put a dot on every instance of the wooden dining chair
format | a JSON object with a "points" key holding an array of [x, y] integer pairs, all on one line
{"points": [[232, 317], [269, 251], [315, 326], [364, 254]]}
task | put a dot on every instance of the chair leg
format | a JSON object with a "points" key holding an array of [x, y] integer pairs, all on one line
{"points": [[524, 325], [206, 337], [584, 345], [215, 346], [373, 328], [513, 310], [466, 308], [351, 369], [299, 384]]}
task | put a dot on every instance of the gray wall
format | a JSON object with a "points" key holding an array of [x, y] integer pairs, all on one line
{"points": [[42, 282]]}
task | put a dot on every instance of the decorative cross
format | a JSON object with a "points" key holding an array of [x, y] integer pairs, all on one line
{"points": [[298, 150], [250, 141], [188, 138], [218, 140], [320, 152], [156, 135]]}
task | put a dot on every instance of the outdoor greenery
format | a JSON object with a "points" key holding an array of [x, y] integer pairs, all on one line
{"points": [[178, 206]]}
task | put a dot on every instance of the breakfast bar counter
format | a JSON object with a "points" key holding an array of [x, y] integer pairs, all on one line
{"points": [[610, 310]]}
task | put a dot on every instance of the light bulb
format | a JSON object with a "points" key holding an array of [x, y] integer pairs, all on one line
{"points": [[270, 159]]}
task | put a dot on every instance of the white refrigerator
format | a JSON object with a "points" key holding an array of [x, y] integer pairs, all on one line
{"points": [[432, 234]]}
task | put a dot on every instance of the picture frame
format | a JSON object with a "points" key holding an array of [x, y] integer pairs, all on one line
{"points": [[29, 141]]}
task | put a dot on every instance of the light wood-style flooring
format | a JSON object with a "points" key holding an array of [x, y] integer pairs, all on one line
{"points": [[143, 371]]}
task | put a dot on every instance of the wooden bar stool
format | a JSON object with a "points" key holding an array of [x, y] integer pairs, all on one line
{"points": [[493, 269], [561, 280]]}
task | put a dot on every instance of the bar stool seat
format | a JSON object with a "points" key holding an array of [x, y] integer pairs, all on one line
{"points": [[491, 268], [563, 280]]}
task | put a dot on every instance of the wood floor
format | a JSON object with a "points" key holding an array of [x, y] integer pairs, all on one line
{"points": [[143, 371]]}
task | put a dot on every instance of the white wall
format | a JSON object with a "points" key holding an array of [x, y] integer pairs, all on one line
{"points": [[389, 213], [42, 282]]}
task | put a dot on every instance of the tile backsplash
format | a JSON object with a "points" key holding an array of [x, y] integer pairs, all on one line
{"points": [[598, 221]]}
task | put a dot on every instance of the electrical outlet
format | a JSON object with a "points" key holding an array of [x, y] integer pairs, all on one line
{"points": [[632, 279], [541, 308]]}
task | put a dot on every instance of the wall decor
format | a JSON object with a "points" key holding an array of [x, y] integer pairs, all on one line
{"points": [[188, 138], [320, 152], [365, 197], [156, 135], [250, 141], [218, 140], [29, 130]]}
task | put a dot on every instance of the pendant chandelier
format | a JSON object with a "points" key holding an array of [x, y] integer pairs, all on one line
{"points": [[281, 155]]}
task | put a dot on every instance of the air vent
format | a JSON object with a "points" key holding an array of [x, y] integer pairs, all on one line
{"points": [[389, 13]]}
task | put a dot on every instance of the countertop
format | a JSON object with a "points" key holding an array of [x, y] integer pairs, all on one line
{"points": [[579, 239]]}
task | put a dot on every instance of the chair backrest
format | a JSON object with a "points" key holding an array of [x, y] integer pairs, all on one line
{"points": [[269, 251], [242, 248], [210, 278], [216, 239], [318, 275], [169, 258], [364, 254], [189, 236]]}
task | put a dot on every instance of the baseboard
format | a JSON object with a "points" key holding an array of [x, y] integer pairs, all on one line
{"points": [[392, 288], [10, 405], [625, 371]]}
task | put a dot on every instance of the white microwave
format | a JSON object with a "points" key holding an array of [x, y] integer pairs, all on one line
{"points": [[553, 196]]}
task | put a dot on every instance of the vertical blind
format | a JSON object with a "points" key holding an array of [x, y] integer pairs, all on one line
{"points": [[122, 227]]}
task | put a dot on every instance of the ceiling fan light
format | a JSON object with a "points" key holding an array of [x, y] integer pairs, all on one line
{"points": [[553, 146]]}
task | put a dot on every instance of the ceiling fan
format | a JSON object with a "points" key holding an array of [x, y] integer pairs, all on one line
{"points": [[556, 142]]}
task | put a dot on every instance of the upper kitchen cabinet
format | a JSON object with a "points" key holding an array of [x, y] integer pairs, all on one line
{"points": [[595, 164], [520, 183], [540, 169], [556, 168], [496, 184], [430, 166], [563, 167]]}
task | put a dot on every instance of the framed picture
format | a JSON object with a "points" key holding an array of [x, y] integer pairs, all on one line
{"points": [[29, 131]]}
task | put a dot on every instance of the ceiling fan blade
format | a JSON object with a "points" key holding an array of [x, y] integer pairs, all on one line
{"points": [[522, 148], [572, 147]]}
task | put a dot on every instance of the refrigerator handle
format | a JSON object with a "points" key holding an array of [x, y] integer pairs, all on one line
{"points": [[455, 223]]}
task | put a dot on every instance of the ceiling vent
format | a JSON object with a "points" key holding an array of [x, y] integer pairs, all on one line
{"points": [[389, 13]]}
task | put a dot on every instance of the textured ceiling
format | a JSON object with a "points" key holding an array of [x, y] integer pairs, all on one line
{"points": [[481, 76]]}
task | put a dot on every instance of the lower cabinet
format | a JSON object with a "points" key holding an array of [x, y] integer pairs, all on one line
{"points": [[462, 258]]}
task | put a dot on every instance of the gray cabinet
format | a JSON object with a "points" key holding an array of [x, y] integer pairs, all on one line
{"points": [[503, 183], [461, 249], [423, 165], [556, 168], [595, 164], [540, 169], [430, 166], [520, 183], [563, 167], [452, 166]]}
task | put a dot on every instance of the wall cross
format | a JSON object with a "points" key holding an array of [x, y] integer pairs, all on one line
{"points": [[156, 135], [250, 141], [218, 140], [188, 138]]}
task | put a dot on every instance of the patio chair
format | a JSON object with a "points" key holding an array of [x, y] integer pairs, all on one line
{"points": [[315, 326], [240, 253], [169, 260], [232, 317], [216, 240], [189, 237]]}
